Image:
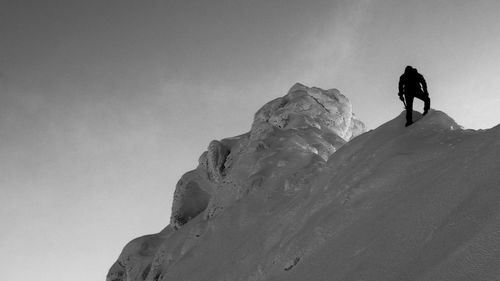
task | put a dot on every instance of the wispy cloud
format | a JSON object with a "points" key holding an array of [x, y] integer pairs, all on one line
{"points": [[333, 43]]}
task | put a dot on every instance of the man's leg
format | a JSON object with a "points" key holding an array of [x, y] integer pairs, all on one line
{"points": [[409, 109], [427, 101]]}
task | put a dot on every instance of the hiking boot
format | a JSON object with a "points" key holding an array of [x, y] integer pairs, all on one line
{"points": [[408, 123], [425, 111]]}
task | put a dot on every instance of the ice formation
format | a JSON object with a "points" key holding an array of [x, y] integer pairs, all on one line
{"points": [[307, 194], [301, 129]]}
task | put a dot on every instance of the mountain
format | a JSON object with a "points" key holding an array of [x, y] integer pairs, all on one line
{"points": [[307, 195]]}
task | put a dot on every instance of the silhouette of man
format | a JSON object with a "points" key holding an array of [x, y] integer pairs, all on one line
{"points": [[412, 85]]}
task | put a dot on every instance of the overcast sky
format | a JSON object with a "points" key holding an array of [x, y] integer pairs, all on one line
{"points": [[105, 104]]}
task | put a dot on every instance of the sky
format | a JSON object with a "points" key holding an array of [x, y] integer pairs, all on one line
{"points": [[105, 104]]}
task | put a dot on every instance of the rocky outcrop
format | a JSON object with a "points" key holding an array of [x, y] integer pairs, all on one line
{"points": [[309, 122], [213, 160], [303, 108], [291, 138]]}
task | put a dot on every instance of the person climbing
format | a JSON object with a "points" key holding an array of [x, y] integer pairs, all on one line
{"points": [[412, 85]]}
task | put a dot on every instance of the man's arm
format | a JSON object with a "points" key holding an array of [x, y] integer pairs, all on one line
{"points": [[400, 88]]}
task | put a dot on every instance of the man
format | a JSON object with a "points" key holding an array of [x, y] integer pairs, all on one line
{"points": [[412, 85]]}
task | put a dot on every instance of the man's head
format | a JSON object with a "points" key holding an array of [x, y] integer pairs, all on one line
{"points": [[409, 69]]}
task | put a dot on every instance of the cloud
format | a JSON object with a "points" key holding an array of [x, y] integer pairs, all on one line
{"points": [[332, 44]]}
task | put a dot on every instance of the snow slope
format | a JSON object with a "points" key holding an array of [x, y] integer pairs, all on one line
{"points": [[395, 203]]}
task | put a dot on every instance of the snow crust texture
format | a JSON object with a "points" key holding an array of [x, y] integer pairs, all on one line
{"points": [[307, 194]]}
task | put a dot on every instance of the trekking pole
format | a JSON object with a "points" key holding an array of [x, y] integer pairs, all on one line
{"points": [[404, 102]]}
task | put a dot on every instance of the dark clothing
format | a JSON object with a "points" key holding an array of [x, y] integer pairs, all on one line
{"points": [[412, 85], [412, 81], [409, 104]]}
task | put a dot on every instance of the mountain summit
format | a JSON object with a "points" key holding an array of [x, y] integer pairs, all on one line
{"points": [[307, 194]]}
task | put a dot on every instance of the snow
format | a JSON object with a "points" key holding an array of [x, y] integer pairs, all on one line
{"points": [[394, 203]]}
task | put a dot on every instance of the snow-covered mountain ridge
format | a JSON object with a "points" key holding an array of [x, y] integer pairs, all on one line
{"points": [[300, 197]]}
